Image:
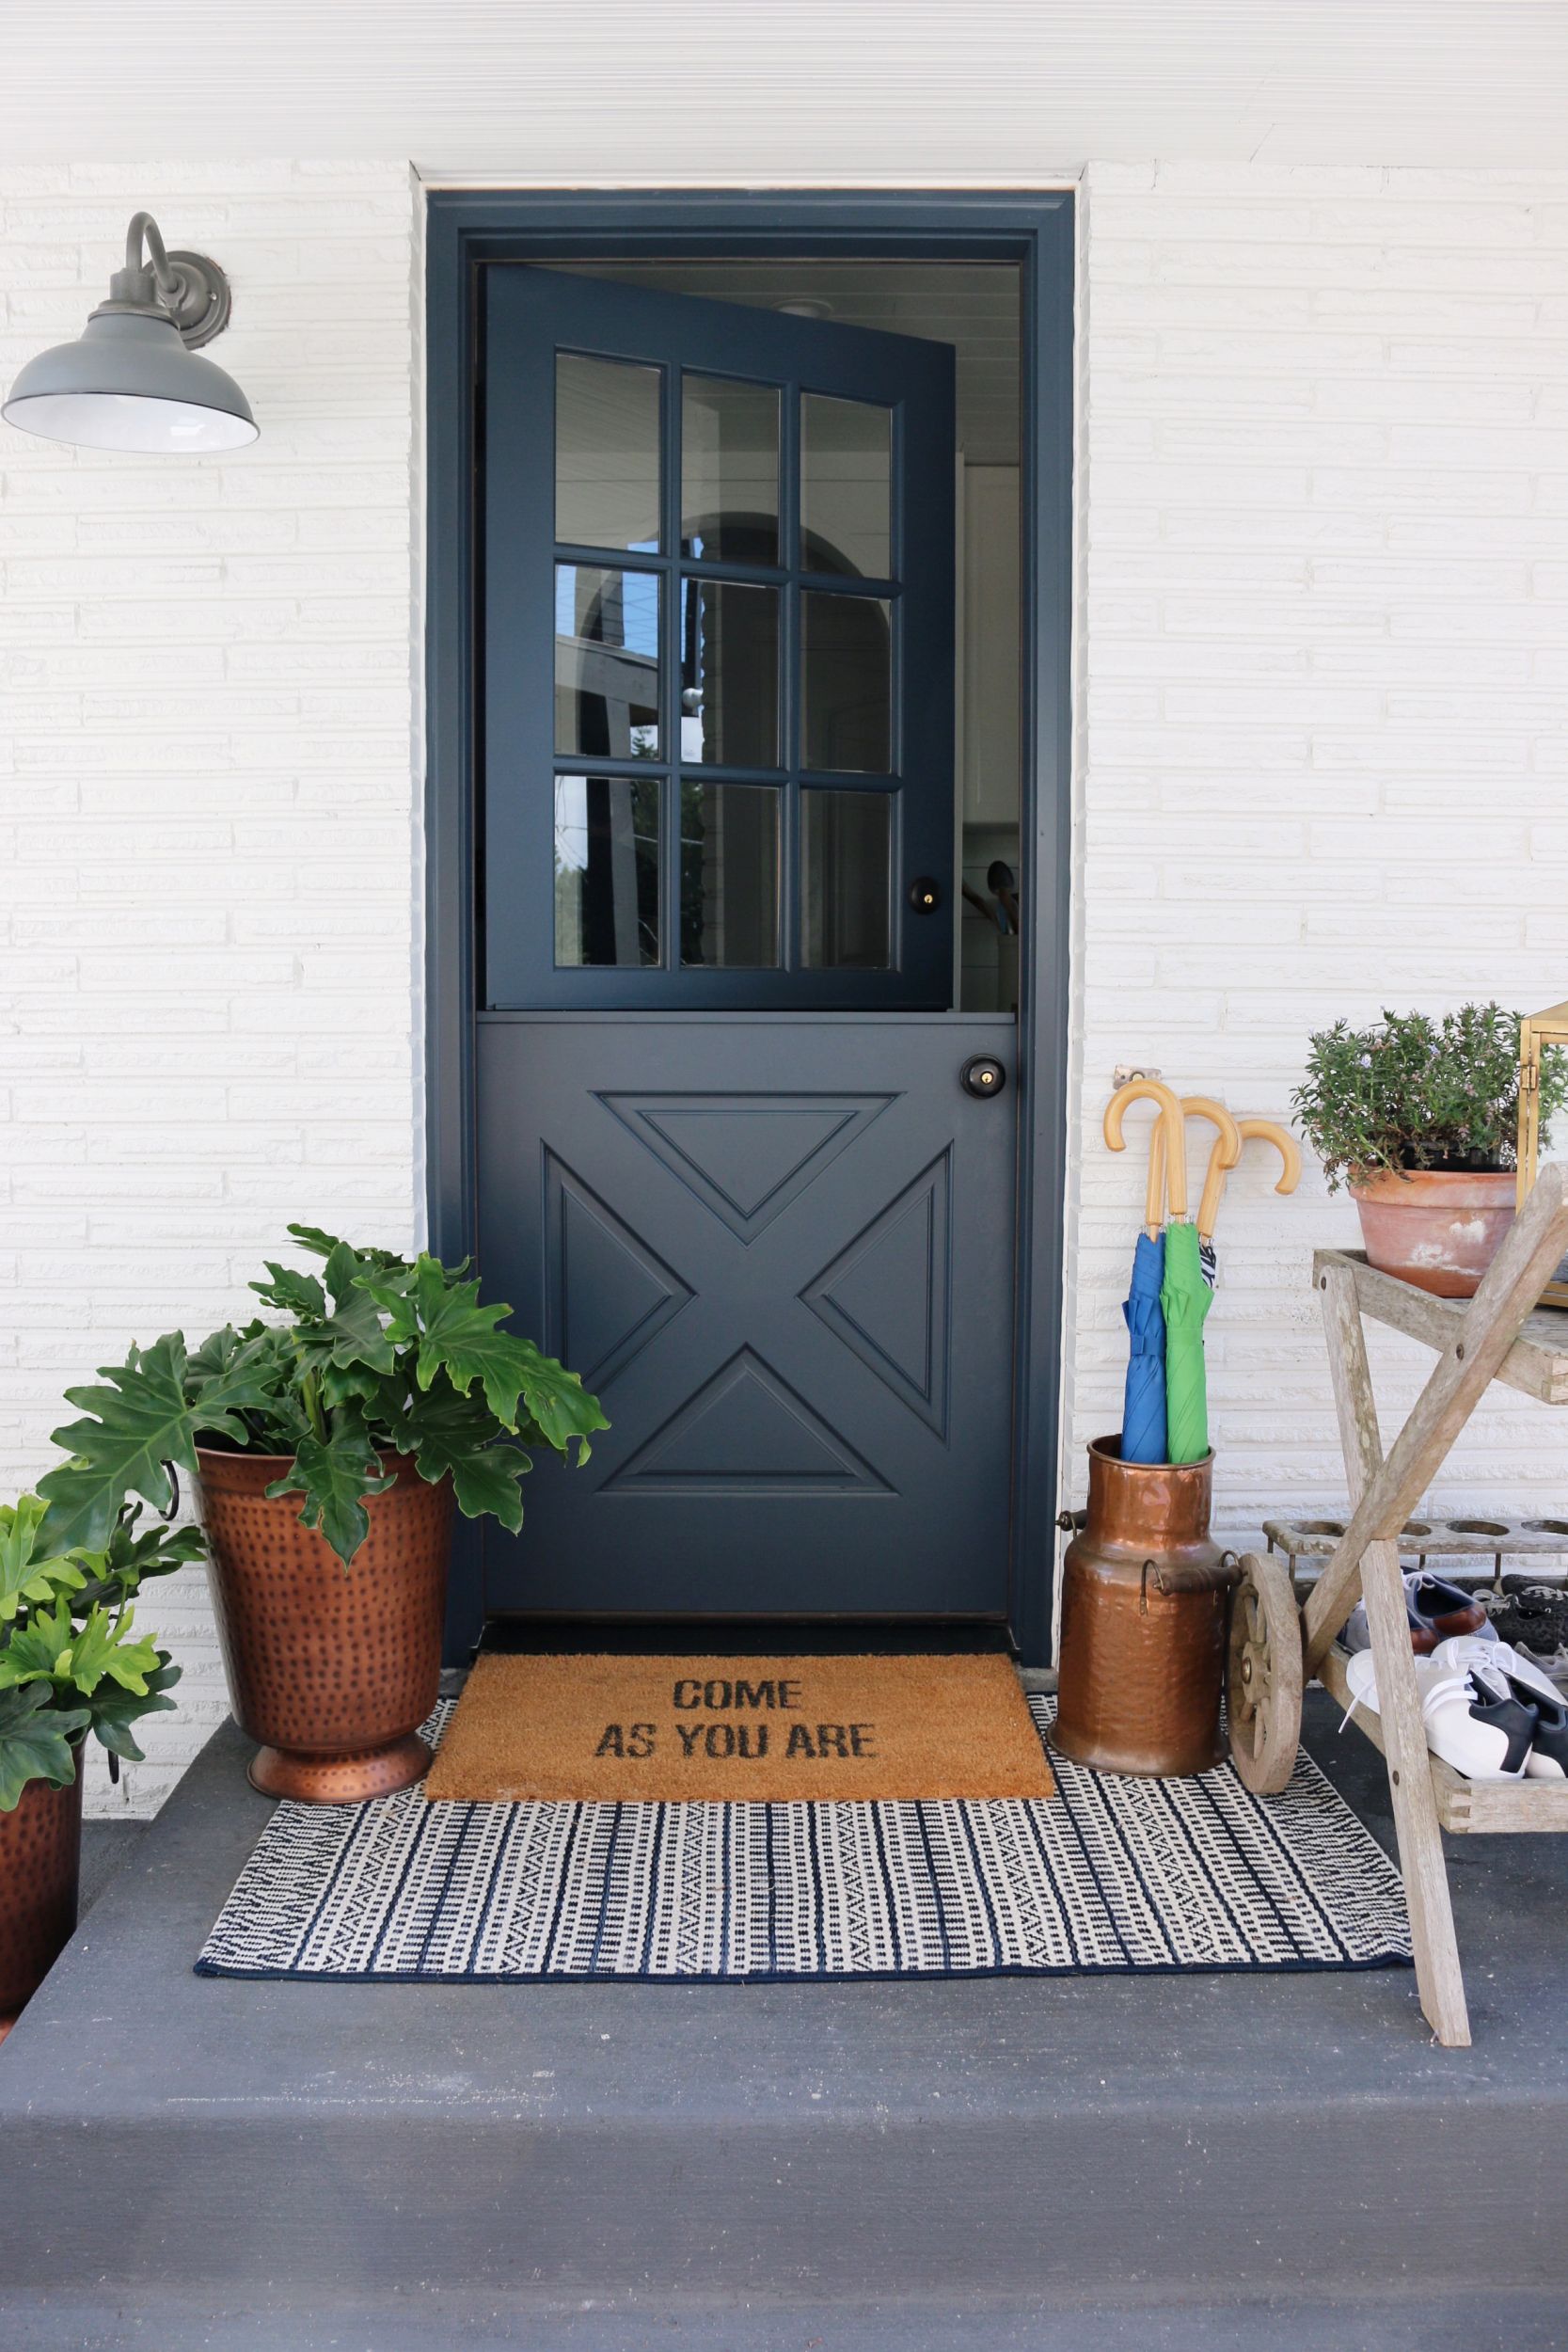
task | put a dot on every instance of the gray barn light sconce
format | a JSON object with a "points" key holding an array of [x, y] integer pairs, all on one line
{"points": [[132, 380]]}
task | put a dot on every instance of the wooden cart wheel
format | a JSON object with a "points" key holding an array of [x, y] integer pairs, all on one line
{"points": [[1263, 1674]]}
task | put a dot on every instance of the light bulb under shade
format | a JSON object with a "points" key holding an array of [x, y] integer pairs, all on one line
{"points": [[129, 383]]}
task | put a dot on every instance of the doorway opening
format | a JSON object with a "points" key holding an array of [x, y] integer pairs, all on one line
{"points": [[747, 837]]}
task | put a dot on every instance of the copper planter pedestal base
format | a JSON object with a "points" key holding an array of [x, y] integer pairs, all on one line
{"points": [[340, 1779], [331, 1669]]}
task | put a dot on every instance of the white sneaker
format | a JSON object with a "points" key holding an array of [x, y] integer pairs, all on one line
{"points": [[1462, 1651], [1474, 1721]]}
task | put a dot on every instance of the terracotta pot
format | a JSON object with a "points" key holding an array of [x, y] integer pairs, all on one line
{"points": [[331, 1669], [40, 1861], [1436, 1228], [1144, 1603]]}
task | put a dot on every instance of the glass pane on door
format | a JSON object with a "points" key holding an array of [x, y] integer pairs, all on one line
{"points": [[607, 661], [607, 871], [729, 673], [606, 468], [847, 677], [845, 873], [846, 487], [729, 874], [729, 470]]}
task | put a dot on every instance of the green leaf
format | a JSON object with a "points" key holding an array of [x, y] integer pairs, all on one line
{"points": [[559, 1407], [113, 1712], [136, 1425], [486, 1484], [102, 1649], [35, 1743], [298, 1294], [353, 1334], [454, 1334], [157, 1551], [452, 1436], [312, 1238], [368, 1260], [334, 1477], [27, 1573], [232, 1374], [35, 1652]]}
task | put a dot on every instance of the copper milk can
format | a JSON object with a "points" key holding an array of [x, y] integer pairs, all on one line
{"points": [[1143, 1601]]}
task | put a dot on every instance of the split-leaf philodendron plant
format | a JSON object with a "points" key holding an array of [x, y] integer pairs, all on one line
{"points": [[70, 1660], [379, 1355]]}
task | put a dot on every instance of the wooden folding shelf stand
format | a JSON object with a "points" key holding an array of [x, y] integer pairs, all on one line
{"points": [[1501, 1334]]}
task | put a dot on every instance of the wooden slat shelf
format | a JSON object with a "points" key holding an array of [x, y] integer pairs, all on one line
{"points": [[1537, 1362], [1467, 1808]]}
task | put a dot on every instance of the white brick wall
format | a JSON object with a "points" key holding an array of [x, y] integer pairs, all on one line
{"points": [[1325, 582], [207, 1026], [1323, 646]]}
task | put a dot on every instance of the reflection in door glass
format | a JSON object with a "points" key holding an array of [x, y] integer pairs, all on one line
{"points": [[846, 682], [607, 869], [606, 454], [729, 470], [729, 673], [846, 486], [729, 874], [606, 662], [845, 862]]}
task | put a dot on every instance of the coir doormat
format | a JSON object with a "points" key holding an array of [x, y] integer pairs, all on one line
{"points": [[1112, 1875], [740, 1730]]}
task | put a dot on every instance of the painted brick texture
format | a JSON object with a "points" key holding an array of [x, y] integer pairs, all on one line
{"points": [[1324, 647], [207, 941]]}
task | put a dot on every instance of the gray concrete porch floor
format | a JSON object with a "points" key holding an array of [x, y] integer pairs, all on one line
{"points": [[1182, 2162]]}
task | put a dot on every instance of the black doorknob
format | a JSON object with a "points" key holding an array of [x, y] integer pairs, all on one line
{"points": [[982, 1076], [926, 895]]}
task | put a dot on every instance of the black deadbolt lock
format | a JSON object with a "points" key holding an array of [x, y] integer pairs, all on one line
{"points": [[982, 1076], [926, 895]]}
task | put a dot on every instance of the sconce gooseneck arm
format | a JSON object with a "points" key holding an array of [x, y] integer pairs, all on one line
{"points": [[187, 289], [145, 230]]}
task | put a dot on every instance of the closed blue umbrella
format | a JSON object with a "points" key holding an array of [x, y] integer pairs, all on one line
{"points": [[1143, 1411], [1143, 1416]]}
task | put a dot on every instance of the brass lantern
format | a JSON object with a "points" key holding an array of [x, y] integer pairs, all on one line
{"points": [[1537, 1031]]}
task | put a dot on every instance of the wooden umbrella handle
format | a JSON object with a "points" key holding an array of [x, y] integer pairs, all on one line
{"points": [[1251, 1131], [1150, 1091], [1226, 1152], [1270, 1130]]}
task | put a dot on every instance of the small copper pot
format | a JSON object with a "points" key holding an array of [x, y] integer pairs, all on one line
{"points": [[331, 1669], [40, 1862], [1143, 1601]]}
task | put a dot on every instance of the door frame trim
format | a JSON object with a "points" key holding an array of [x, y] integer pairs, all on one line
{"points": [[466, 229]]}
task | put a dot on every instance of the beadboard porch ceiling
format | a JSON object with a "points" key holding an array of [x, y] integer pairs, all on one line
{"points": [[684, 92]]}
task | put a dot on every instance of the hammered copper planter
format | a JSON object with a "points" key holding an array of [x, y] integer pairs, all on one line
{"points": [[1144, 1602], [40, 1860], [331, 1669]]}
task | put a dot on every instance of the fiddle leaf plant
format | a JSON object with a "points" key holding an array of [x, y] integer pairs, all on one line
{"points": [[376, 1355], [72, 1661]]}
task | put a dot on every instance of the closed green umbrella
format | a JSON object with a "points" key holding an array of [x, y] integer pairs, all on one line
{"points": [[1186, 1300]]}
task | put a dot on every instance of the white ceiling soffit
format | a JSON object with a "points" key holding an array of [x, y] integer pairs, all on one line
{"points": [[773, 92]]}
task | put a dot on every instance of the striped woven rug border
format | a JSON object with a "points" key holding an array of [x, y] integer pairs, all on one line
{"points": [[1110, 1876]]}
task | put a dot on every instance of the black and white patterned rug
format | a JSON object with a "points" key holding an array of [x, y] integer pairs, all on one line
{"points": [[1110, 1874]]}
